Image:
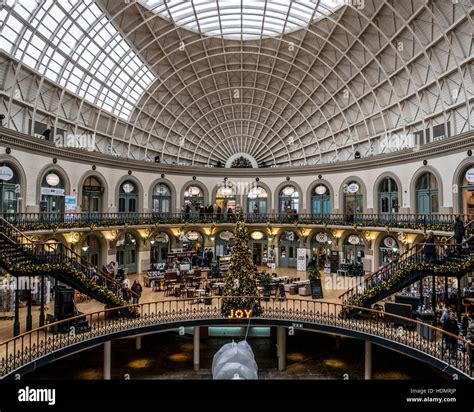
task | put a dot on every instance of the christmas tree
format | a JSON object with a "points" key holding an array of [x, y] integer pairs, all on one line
{"points": [[241, 279]]}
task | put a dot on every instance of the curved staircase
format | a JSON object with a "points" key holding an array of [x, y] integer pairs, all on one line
{"points": [[21, 256]]}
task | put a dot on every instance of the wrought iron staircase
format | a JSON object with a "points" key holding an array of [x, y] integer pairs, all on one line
{"points": [[450, 260], [21, 256]]}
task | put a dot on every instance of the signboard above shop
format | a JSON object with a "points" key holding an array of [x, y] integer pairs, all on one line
{"points": [[6, 173], [470, 175]]}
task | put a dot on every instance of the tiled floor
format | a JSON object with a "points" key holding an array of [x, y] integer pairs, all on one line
{"points": [[332, 288]]}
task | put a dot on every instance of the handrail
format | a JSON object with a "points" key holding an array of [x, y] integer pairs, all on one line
{"points": [[385, 269], [32, 345], [52, 249], [36, 221]]}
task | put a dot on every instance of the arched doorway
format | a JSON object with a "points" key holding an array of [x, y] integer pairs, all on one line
{"points": [[427, 198], [128, 197], [91, 251], [10, 189], [320, 201], [321, 245], [259, 246], [388, 250], [160, 244], [194, 197], [354, 249], [287, 248], [92, 192], [353, 198], [126, 247], [467, 192], [257, 201], [289, 200], [388, 196], [52, 193], [226, 200], [192, 240], [161, 200], [224, 243]]}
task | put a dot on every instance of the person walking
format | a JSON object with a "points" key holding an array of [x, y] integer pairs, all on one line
{"points": [[451, 342], [458, 232], [137, 290]]}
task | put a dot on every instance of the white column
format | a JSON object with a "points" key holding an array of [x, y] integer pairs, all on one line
{"points": [[281, 348], [107, 359], [368, 360], [138, 342], [196, 348]]}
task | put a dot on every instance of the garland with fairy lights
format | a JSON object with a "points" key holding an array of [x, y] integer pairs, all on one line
{"points": [[385, 286], [48, 268]]}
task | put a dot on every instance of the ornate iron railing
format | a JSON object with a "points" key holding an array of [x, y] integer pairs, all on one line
{"points": [[48, 221], [452, 259], [39, 257], [449, 350]]}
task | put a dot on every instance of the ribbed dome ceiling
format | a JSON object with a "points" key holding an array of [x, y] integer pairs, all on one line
{"points": [[317, 85]]}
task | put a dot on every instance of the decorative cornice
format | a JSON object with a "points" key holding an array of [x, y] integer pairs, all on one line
{"points": [[35, 145]]}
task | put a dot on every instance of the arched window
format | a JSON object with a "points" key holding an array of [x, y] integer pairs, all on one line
{"points": [[128, 198], [161, 199], [191, 240], [10, 193], [427, 200], [388, 250], [289, 200], [257, 201], [353, 198], [388, 196], [320, 200], [194, 197], [354, 250], [159, 248], [52, 193], [225, 199], [127, 253], [288, 246], [467, 192], [91, 251], [224, 243], [92, 191]]}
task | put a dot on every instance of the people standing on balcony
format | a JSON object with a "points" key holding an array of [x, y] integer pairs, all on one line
{"points": [[349, 215], [255, 209], [429, 249], [458, 232], [187, 209]]}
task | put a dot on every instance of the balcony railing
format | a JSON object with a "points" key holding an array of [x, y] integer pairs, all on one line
{"points": [[446, 349], [47, 221]]}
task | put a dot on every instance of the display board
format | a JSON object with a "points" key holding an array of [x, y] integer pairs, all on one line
{"points": [[301, 261], [316, 289]]}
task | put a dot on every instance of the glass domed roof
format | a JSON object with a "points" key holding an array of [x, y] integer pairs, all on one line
{"points": [[241, 19]]}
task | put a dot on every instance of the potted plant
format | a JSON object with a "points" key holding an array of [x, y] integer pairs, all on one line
{"points": [[266, 282]]}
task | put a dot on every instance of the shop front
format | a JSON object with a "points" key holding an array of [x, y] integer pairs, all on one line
{"points": [[320, 249], [257, 201], [128, 198], [92, 193], [354, 250], [160, 245], [288, 248], [10, 194], [388, 250], [224, 243], [91, 251], [191, 241], [258, 244], [467, 192], [52, 193], [127, 253]]}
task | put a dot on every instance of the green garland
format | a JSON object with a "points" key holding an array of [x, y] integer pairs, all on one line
{"points": [[385, 286], [48, 268]]}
